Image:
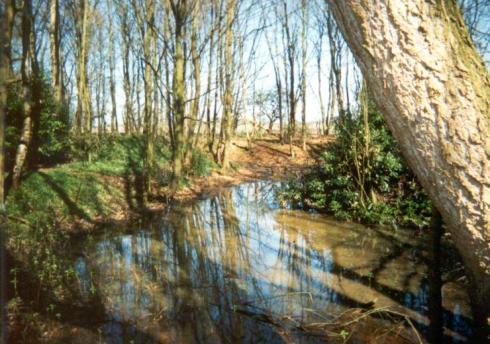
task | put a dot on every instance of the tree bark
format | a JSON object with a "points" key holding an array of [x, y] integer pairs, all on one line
{"points": [[336, 68], [320, 85], [126, 39], [55, 51], [27, 56], [112, 82], [168, 97], [196, 63], [226, 124], [84, 111], [179, 92], [87, 106], [145, 25], [435, 280], [7, 18], [209, 79], [291, 57], [434, 91], [304, 10]]}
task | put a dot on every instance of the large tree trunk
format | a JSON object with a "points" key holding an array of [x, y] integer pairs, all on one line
{"points": [[434, 91]]}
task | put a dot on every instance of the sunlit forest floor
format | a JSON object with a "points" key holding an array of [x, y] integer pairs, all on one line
{"points": [[57, 203], [57, 208], [264, 158], [82, 195]]}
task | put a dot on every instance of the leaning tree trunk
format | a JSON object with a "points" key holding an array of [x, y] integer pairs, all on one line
{"points": [[434, 91]]}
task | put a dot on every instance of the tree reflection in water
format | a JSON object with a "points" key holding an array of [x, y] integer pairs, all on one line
{"points": [[235, 268]]}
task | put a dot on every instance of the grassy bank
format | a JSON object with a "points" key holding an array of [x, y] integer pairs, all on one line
{"points": [[53, 205]]}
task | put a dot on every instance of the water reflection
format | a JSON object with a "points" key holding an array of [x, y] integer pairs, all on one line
{"points": [[235, 268]]}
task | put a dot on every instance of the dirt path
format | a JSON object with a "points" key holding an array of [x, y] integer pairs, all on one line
{"points": [[267, 158]]}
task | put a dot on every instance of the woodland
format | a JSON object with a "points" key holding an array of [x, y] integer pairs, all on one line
{"points": [[122, 117]]}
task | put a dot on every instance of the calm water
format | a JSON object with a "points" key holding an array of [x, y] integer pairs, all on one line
{"points": [[236, 268]]}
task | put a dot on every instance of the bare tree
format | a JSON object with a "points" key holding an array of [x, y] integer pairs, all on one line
{"points": [[55, 50], [226, 123], [112, 67], [27, 64], [304, 11], [7, 17]]}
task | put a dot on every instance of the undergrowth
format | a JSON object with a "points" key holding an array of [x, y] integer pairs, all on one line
{"points": [[362, 177], [85, 191]]}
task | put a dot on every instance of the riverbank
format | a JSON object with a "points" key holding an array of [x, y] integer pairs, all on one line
{"points": [[143, 281], [82, 195], [264, 159], [54, 205]]}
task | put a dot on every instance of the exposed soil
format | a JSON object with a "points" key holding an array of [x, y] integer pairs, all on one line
{"points": [[266, 158]]}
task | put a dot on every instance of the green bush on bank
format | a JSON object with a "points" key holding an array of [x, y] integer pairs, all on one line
{"points": [[50, 143], [362, 177], [201, 165]]}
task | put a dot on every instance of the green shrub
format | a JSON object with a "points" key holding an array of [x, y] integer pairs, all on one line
{"points": [[50, 128], [362, 177], [201, 164]]}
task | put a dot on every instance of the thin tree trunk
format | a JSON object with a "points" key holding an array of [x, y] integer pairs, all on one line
{"points": [[210, 69], [83, 116], [26, 66], [196, 63], [145, 26], [85, 89], [218, 83], [7, 17], [55, 51], [168, 98], [320, 85], [435, 281], [112, 81], [335, 67], [304, 10], [179, 92], [128, 113], [226, 123]]}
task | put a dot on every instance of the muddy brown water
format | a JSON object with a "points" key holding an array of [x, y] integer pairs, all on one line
{"points": [[237, 268]]}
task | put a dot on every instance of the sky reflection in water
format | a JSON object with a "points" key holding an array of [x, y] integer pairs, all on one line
{"points": [[214, 271]]}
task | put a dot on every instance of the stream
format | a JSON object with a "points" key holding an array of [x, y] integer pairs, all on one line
{"points": [[237, 268]]}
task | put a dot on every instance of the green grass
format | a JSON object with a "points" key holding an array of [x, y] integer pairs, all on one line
{"points": [[70, 192], [83, 191]]}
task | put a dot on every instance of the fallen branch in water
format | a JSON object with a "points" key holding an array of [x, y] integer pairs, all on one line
{"points": [[332, 327], [339, 324]]}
